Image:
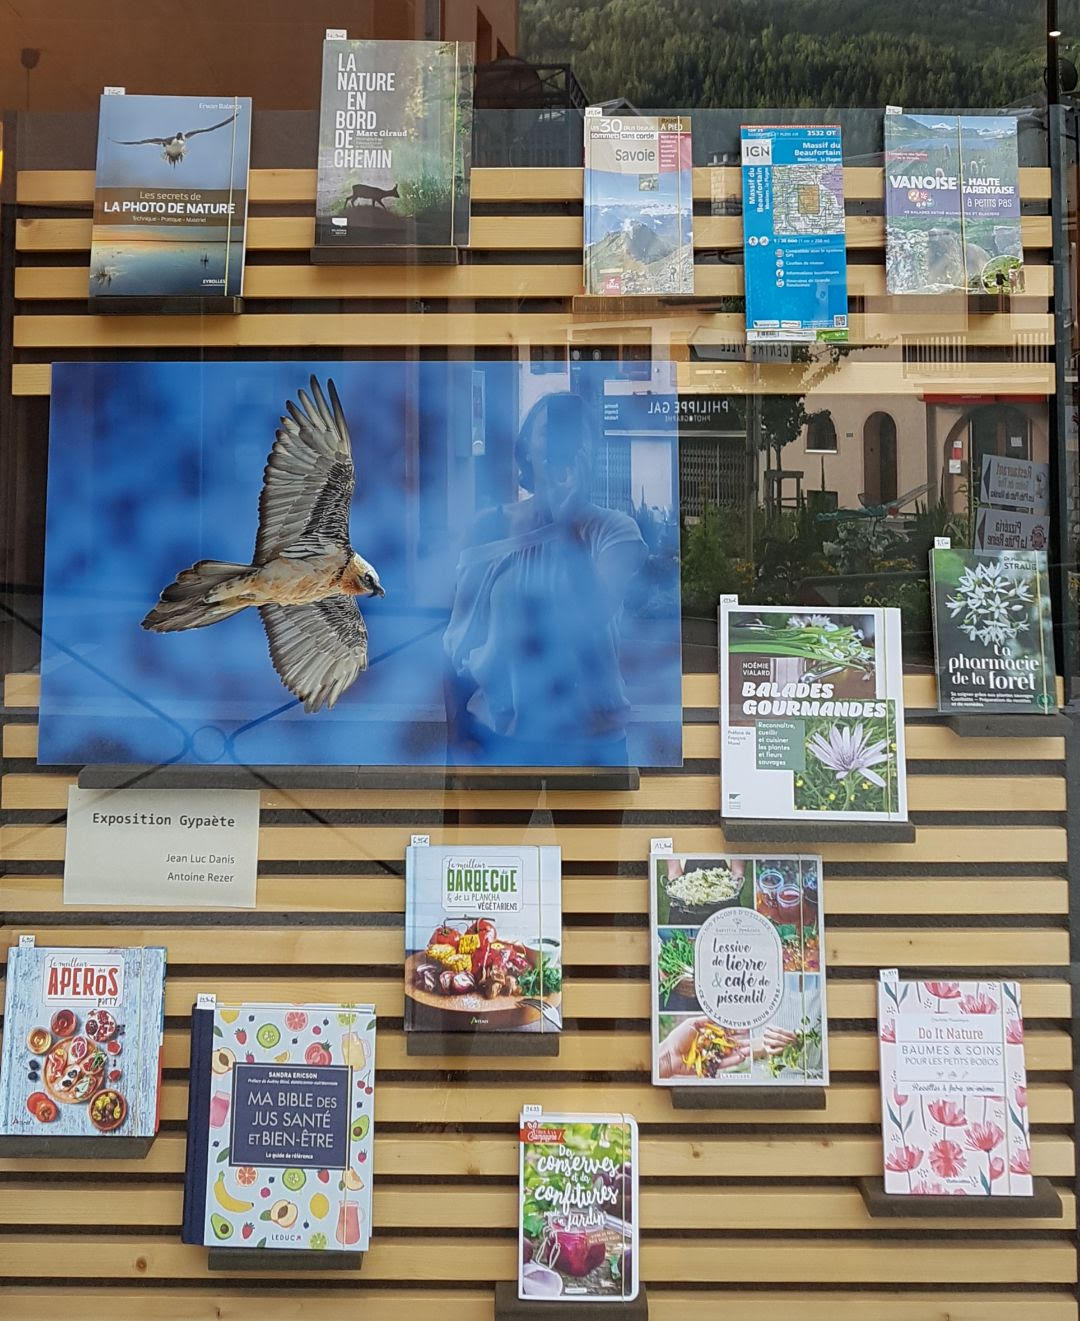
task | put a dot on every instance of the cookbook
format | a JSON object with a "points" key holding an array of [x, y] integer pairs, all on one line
{"points": [[170, 196], [993, 640], [639, 205], [395, 144], [811, 713], [280, 1127], [954, 1112], [578, 1207], [483, 938], [738, 971], [952, 205], [82, 1043]]}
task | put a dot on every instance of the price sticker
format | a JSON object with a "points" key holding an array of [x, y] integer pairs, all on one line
{"points": [[205, 1000], [943, 543], [26, 942], [662, 844], [112, 91], [337, 34], [420, 841]]}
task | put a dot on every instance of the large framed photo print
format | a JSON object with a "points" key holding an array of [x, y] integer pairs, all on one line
{"points": [[811, 713]]}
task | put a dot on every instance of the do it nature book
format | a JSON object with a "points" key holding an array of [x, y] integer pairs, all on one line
{"points": [[578, 1207], [953, 1088], [82, 1045], [395, 144], [738, 971], [170, 196], [280, 1127], [993, 640], [811, 713], [639, 205], [483, 938], [952, 205]]}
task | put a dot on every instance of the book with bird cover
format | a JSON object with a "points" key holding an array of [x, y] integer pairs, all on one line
{"points": [[811, 713], [170, 196], [738, 971], [395, 144], [993, 637], [280, 1126], [954, 1113], [578, 1207], [82, 1045], [483, 938], [952, 205], [639, 205]]}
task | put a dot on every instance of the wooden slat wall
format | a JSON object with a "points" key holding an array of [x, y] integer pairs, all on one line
{"points": [[746, 1213]]}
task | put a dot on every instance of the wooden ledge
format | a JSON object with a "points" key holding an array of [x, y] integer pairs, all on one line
{"points": [[616, 779], [803, 833], [1044, 1203], [734, 1097], [348, 255], [1025, 724], [160, 305], [483, 1044], [509, 1307], [281, 1259]]}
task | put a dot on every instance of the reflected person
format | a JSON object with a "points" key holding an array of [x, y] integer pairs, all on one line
{"points": [[532, 646]]}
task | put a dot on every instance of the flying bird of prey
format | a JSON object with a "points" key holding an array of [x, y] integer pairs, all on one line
{"points": [[305, 574], [174, 148]]}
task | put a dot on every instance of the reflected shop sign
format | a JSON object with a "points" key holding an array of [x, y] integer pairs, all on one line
{"points": [[691, 413]]}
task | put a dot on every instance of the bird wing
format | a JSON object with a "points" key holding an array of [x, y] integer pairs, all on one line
{"points": [[309, 478], [318, 649], [210, 128], [138, 142]]}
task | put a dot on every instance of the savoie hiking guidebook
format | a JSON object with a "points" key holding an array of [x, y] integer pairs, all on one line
{"points": [[395, 144], [811, 713]]}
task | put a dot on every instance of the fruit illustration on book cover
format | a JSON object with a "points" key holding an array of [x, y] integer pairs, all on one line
{"points": [[281, 1127], [395, 144], [170, 196], [954, 1111], [82, 1042], [738, 971], [993, 639], [483, 939], [578, 1208], [639, 205]]}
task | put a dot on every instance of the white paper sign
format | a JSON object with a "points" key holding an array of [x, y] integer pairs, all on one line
{"points": [[1015, 484], [162, 848], [1004, 529]]}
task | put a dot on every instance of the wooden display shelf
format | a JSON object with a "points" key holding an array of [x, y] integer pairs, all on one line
{"points": [[348, 255], [155, 305], [211, 776], [509, 1307], [748, 830], [733, 1097], [270, 1260], [1028, 724], [1044, 1203], [541, 1045], [98, 1147]]}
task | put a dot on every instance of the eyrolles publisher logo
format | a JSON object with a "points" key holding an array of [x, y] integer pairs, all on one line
{"points": [[71, 977], [534, 1132]]}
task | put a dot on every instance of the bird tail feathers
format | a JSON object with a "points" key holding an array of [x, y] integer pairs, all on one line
{"points": [[197, 598]]}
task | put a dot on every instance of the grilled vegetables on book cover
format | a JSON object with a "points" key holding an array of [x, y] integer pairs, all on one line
{"points": [[483, 938]]}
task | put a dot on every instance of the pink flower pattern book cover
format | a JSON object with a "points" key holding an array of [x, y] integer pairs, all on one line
{"points": [[954, 1113]]}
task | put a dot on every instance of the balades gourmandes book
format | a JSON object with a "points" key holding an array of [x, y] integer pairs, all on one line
{"points": [[81, 1059], [170, 197], [280, 1127]]}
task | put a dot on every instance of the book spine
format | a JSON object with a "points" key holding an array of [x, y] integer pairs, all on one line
{"points": [[198, 1125]]}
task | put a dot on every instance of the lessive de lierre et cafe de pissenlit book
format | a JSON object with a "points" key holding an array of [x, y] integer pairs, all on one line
{"points": [[170, 196], [483, 938], [993, 638], [738, 970], [395, 144], [280, 1127], [82, 1044]]}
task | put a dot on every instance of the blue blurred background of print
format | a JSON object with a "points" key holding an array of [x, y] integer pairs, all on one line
{"points": [[155, 465]]}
